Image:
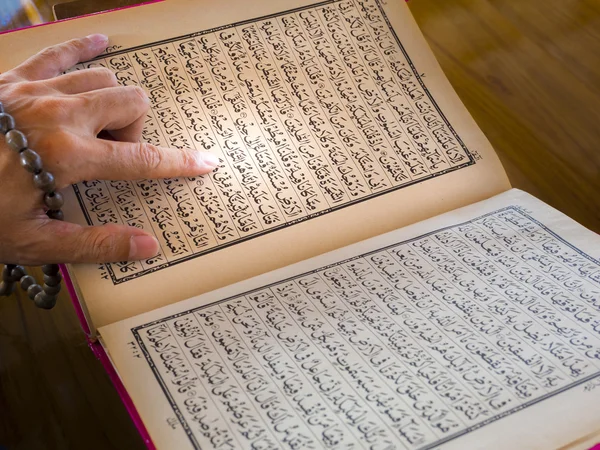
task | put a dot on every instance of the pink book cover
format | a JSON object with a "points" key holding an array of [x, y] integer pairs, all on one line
{"points": [[101, 355]]}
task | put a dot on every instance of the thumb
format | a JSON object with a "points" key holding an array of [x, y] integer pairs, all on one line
{"points": [[72, 243]]}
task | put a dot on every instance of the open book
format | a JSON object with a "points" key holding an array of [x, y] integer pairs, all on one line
{"points": [[357, 273]]}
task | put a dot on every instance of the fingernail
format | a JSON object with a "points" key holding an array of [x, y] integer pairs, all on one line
{"points": [[207, 160], [99, 41], [142, 247]]}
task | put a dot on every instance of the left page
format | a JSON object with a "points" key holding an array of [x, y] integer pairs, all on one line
{"points": [[476, 329], [325, 116]]}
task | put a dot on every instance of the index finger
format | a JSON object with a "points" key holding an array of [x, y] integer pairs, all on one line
{"points": [[54, 60], [112, 160]]}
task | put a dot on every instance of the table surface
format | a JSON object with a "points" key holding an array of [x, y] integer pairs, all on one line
{"points": [[529, 73]]}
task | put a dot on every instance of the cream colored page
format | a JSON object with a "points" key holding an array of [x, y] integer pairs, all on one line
{"points": [[333, 118], [476, 329]]}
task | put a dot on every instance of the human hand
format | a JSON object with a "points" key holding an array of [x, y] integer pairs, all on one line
{"points": [[61, 116]]}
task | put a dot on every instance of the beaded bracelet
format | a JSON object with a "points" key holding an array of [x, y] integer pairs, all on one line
{"points": [[43, 297]]}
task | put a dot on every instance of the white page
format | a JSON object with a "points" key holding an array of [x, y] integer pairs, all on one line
{"points": [[334, 116], [479, 328]]}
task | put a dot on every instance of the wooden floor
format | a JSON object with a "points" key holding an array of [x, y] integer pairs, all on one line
{"points": [[529, 72]]}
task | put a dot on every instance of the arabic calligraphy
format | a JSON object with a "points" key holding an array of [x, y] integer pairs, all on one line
{"points": [[404, 347], [308, 111]]}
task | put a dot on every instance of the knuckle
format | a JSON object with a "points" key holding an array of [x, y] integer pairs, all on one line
{"points": [[107, 76], [87, 101], [55, 110], [22, 90], [50, 53], [101, 246], [187, 159], [100, 100], [150, 156], [138, 94], [74, 45]]}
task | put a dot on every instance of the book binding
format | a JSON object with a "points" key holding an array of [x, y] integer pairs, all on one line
{"points": [[104, 359]]}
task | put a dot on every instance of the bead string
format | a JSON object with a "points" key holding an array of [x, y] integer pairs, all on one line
{"points": [[43, 297]]}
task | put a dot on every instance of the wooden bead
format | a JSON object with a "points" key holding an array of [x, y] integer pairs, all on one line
{"points": [[16, 140], [51, 290], [44, 301], [26, 282], [31, 161], [54, 200], [33, 290], [50, 269], [44, 181], [56, 214], [7, 123], [52, 280], [17, 273]]}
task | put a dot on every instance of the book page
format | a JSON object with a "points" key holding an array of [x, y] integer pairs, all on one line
{"points": [[479, 328], [330, 116]]}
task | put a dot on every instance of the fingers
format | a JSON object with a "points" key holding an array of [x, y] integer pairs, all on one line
{"points": [[131, 133], [112, 160], [54, 60], [84, 81], [107, 243], [118, 108]]}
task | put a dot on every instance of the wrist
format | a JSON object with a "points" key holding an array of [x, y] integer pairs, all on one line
{"points": [[15, 142]]}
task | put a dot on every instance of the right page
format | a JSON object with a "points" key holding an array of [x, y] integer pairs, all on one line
{"points": [[479, 328]]}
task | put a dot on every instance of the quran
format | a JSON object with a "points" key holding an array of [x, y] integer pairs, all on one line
{"points": [[357, 273]]}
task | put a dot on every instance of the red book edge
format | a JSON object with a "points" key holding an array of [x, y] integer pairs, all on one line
{"points": [[102, 356], [146, 2]]}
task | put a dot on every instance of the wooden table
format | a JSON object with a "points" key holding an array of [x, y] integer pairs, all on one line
{"points": [[529, 72]]}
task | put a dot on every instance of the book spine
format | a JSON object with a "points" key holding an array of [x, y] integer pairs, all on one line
{"points": [[101, 355], [75, 300]]}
